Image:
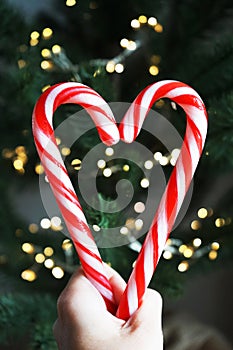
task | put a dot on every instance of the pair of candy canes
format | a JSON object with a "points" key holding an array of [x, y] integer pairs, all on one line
{"points": [[110, 134]]}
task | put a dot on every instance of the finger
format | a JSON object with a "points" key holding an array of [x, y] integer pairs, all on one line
{"points": [[116, 281], [148, 318]]}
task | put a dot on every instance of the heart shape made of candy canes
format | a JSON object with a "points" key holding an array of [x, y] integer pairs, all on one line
{"points": [[110, 134]]}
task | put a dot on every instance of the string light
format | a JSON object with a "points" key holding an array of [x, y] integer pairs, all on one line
{"points": [[65, 151], [213, 255], [58, 272], [138, 224], [142, 19], [21, 64], [219, 222], [70, 3], [124, 43], [34, 42], [152, 21], [158, 28], [39, 258], [126, 167], [215, 246], [167, 255], [47, 33], [96, 228], [164, 161], [107, 172], [202, 213], [135, 24], [119, 68], [195, 225], [197, 242], [124, 230], [101, 163], [144, 183], [28, 275], [183, 266], [33, 228], [45, 64], [109, 151], [110, 67], [158, 156], [28, 248], [34, 35], [56, 49], [153, 70], [49, 263], [48, 251], [39, 169], [148, 164], [46, 53], [188, 252], [76, 163], [131, 45], [66, 244], [139, 207], [45, 223]]}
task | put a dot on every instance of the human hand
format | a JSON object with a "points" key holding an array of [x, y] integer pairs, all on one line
{"points": [[85, 324]]}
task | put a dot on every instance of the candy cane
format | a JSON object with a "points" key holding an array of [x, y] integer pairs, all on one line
{"points": [[58, 177], [129, 129], [178, 183]]}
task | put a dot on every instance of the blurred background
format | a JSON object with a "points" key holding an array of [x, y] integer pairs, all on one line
{"points": [[117, 48]]}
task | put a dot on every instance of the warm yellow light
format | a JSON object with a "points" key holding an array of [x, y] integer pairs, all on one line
{"points": [[139, 207], [144, 183], [39, 258], [101, 163], [219, 222], [65, 151], [183, 266], [56, 49], [124, 43], [49, 263], [148, 164], [142, 19], [182, 248], [107, 172], [154, 70], [34, 42], [152, 21], [47, 33], [45, 53], [195, 225], [109, 151], [76, 163], [130, 223], [28, 248], [158, 28], [21, 64], [7, 153], [202, 213], [135, 24], [110, 67], [215, 246], [18, 164], [197, 242], [188, 253], [39, 169], [58, 141], [131, 45], [167, 255], [213, 255], [126, 167], [34, 35], [33, 228], [45, 223], [66, 244], [119, 68], [48, 251], [46, 64], [70, 3], [45, 88], [57, 272], [28, 275]]}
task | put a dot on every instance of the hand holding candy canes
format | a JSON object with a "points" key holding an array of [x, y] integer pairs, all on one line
{"points": [[129, 128]]}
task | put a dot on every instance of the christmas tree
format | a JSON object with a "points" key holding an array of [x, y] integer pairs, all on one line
{"points": [[117, 49]]}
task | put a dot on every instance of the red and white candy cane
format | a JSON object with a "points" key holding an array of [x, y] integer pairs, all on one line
{"points": [[178, 183], [129, 128], [59, 179]]}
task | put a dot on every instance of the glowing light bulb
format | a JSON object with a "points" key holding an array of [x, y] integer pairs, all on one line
{"points": [[46, 53], [135, 24], [107, 172], [124, 43], [65, 151], [167, 255], [45, 223], [70, 3], [124, 230], [158, 156], [110, 67], [119, 68], [109, 151], [154, 70], [39, 258], [39, 169], [195, 225], [152, 21], [139, 207], [49, 263], [56, 49], [58, 272], [183, 266], [76, 163], [144, 183], [142, 19], [34, 35], [48, 251], [101, 164], [28, 248], [197, 242], [126, 167], [47, 33], [28, 275], [131, 45], [202, 213], [148, 164]]}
